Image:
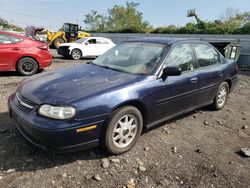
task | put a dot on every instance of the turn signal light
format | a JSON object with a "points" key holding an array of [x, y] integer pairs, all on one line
{"points": [[83, 129]]}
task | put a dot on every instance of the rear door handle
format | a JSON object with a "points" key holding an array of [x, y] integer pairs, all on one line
{"points": [[194, 80], [16, 48]]}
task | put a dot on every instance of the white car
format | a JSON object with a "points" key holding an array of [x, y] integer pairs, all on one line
{"points": [[85, 47]]}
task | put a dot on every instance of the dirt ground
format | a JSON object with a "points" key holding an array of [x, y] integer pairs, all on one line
{"points": [[199, 149]]}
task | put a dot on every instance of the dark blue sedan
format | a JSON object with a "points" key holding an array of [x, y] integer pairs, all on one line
{"points": [[135, 85]]}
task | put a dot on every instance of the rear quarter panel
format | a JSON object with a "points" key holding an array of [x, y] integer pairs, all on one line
{"points": [[230, 70], [43, 57]]}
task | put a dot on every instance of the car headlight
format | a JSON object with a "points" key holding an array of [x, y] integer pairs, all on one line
{"points": [[57, 112]]}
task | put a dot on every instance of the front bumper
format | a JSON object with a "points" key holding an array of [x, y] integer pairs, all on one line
{"points": [[63, 50], [56, 140]]}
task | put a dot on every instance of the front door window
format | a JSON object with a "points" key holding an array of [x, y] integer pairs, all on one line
{"points": [[181, 56]]}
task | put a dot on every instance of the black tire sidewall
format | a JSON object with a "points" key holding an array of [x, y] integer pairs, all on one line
{"points": [[23, 72], [55, 42], [76, 50], [216, 107], [108, 133]]}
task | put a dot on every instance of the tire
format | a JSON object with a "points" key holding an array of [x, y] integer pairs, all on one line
{"points": [[221, 96], [76, 54], [57, 42], [123, 138], [27, 66]]}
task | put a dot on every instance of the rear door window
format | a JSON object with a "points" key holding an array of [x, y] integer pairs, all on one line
{"points": [[206, 55], [101, 41]]}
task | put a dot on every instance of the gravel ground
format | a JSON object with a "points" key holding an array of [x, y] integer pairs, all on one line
{"points": [[199, 149]]}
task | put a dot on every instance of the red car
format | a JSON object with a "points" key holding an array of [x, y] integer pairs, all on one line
{"points": [[22, 54]]}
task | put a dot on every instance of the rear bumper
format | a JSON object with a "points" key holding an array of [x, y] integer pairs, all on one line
{"points": [[45, 59], [45, 63], [55, 140]]}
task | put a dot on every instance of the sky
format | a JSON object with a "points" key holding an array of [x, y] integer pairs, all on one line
{"points": [[51, 14]]}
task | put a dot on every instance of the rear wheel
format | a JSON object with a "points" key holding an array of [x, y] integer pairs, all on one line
{"points": [[57, 42], [76, 54], [27, 66], [123, 130], [221, 96]]}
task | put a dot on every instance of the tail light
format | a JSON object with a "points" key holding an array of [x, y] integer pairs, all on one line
{"points": [[43, 47]]}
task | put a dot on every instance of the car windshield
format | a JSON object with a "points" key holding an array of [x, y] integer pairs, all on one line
{"points": [[133, 57], [80, 41]]}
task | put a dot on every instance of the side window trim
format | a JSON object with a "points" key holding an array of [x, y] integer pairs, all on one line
{"points": [[194, 56]]}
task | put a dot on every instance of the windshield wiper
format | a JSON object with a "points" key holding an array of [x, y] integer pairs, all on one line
{"points": [[103, 66], [107, 67]]}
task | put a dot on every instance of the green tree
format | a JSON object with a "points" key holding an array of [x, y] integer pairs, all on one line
{"points": [[95, 21], [127, 19], [6, 25], [119, 19]]}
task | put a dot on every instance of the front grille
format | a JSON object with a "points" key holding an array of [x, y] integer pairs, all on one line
{"points": [[63, 49], [24, 104]]}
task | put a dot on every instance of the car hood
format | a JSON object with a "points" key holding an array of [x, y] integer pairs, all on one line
{"points": [[69, 85], [70, 44]]}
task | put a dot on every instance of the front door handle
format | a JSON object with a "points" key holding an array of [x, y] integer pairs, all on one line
{"points": [[194, 80]]}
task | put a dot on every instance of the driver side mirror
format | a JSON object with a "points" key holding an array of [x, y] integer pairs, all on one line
{"points": [[170, 71], [86, 43]]}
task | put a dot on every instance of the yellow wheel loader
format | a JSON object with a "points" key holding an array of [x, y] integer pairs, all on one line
{"points": [[69, 33]]}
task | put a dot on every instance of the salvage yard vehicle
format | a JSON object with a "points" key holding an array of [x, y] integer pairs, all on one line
{"points": [[22, 54], [86, 47], [69, 33], [137, 84]]}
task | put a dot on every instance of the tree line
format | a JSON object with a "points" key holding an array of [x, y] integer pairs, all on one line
{"points": [[5, 24], [127, 19]]}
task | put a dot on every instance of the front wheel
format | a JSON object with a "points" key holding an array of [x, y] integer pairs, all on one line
{"points": [[221, 96], [123, 130], [76, 54], [27, 66], [57, 42]]}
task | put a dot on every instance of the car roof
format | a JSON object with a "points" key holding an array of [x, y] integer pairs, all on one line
{"points": [[12, 34], [164, 40]]}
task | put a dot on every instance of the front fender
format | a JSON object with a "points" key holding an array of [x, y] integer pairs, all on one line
{"points": [[104, 104]]}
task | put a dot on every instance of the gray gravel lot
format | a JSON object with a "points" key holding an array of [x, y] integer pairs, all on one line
{"points": [[199, 149]]}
